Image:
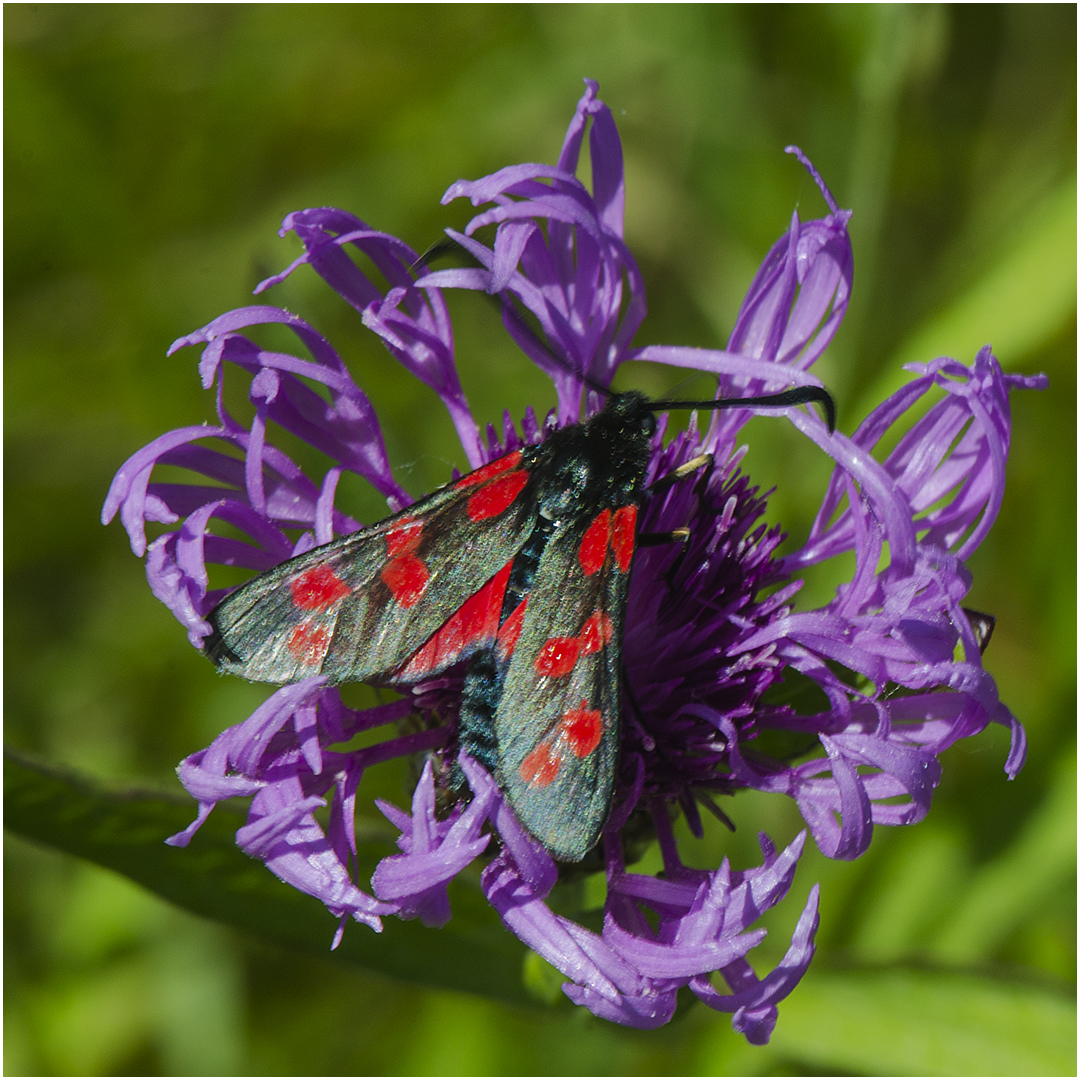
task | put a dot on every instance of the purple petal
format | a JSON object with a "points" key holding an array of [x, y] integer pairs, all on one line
{"points": [[416, 880], [211, 785], [754, 1002], [926, 466], [530, 857], [294, 848], [647, 1010], [574, 281], [1018, 745], [127, 493], [549, 935]]}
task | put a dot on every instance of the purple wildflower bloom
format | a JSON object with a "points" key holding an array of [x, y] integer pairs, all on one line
{"points": [[710, 626]]}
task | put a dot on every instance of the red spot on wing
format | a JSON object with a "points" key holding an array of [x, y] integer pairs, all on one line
{"points": [[405, 573], [594, 543], [308, 643], [622, 536], [581, 729], [475, 623], [510, 630], [317, 589], [596, 633], [404, 537], [557, 656], [496, 496], [407, 577], [540, 767], [492, 468]]}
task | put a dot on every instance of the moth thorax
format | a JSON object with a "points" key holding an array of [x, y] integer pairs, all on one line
{"points": [[621, 460]]}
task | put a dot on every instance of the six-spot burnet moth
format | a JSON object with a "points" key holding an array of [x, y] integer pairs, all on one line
{"points": [[520, 568]]}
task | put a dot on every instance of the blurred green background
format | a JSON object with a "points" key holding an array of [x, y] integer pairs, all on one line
{"points": [[150, 154]]}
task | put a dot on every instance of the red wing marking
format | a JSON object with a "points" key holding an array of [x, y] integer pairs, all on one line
{"points": [[596, 633], [492, 468], [622, 535], [581, 729], [404, 537], [317, 589], [540, 767], [557, 656], [495, 497], [407, 577], [594, 543], [510, 630], [308, 643], [476, 621]]}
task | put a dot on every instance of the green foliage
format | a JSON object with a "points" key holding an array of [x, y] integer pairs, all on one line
{"points": [[212, 877], [150, 153]]}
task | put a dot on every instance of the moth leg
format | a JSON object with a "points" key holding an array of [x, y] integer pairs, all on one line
{"points": [[628, 691], [702, 461], [675, 536]]}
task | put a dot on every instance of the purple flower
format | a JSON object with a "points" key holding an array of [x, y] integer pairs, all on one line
{"points": [[711, 626]]}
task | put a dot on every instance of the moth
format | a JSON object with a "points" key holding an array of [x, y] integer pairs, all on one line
{"points": [[519, 568]]}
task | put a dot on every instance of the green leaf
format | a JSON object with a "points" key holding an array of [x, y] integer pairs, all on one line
{"points": [[927, 1023], [920, 877], [125, 832], [1022, 300], [1015, 883]]}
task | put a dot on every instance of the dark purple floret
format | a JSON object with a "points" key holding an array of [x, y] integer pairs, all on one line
{"points": [[690, 607], [713, 626]]}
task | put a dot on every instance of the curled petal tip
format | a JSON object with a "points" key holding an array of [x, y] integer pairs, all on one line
{"points": [[822, 186], [179, 343]]}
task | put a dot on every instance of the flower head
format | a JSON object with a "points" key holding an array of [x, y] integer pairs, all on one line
{"points": [[710, 625]]}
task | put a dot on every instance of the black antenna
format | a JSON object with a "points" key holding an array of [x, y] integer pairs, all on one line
{"points": [[446, 246], [799, 395]]}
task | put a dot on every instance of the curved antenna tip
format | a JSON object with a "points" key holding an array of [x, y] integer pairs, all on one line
{"points": [[798, 395]]}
